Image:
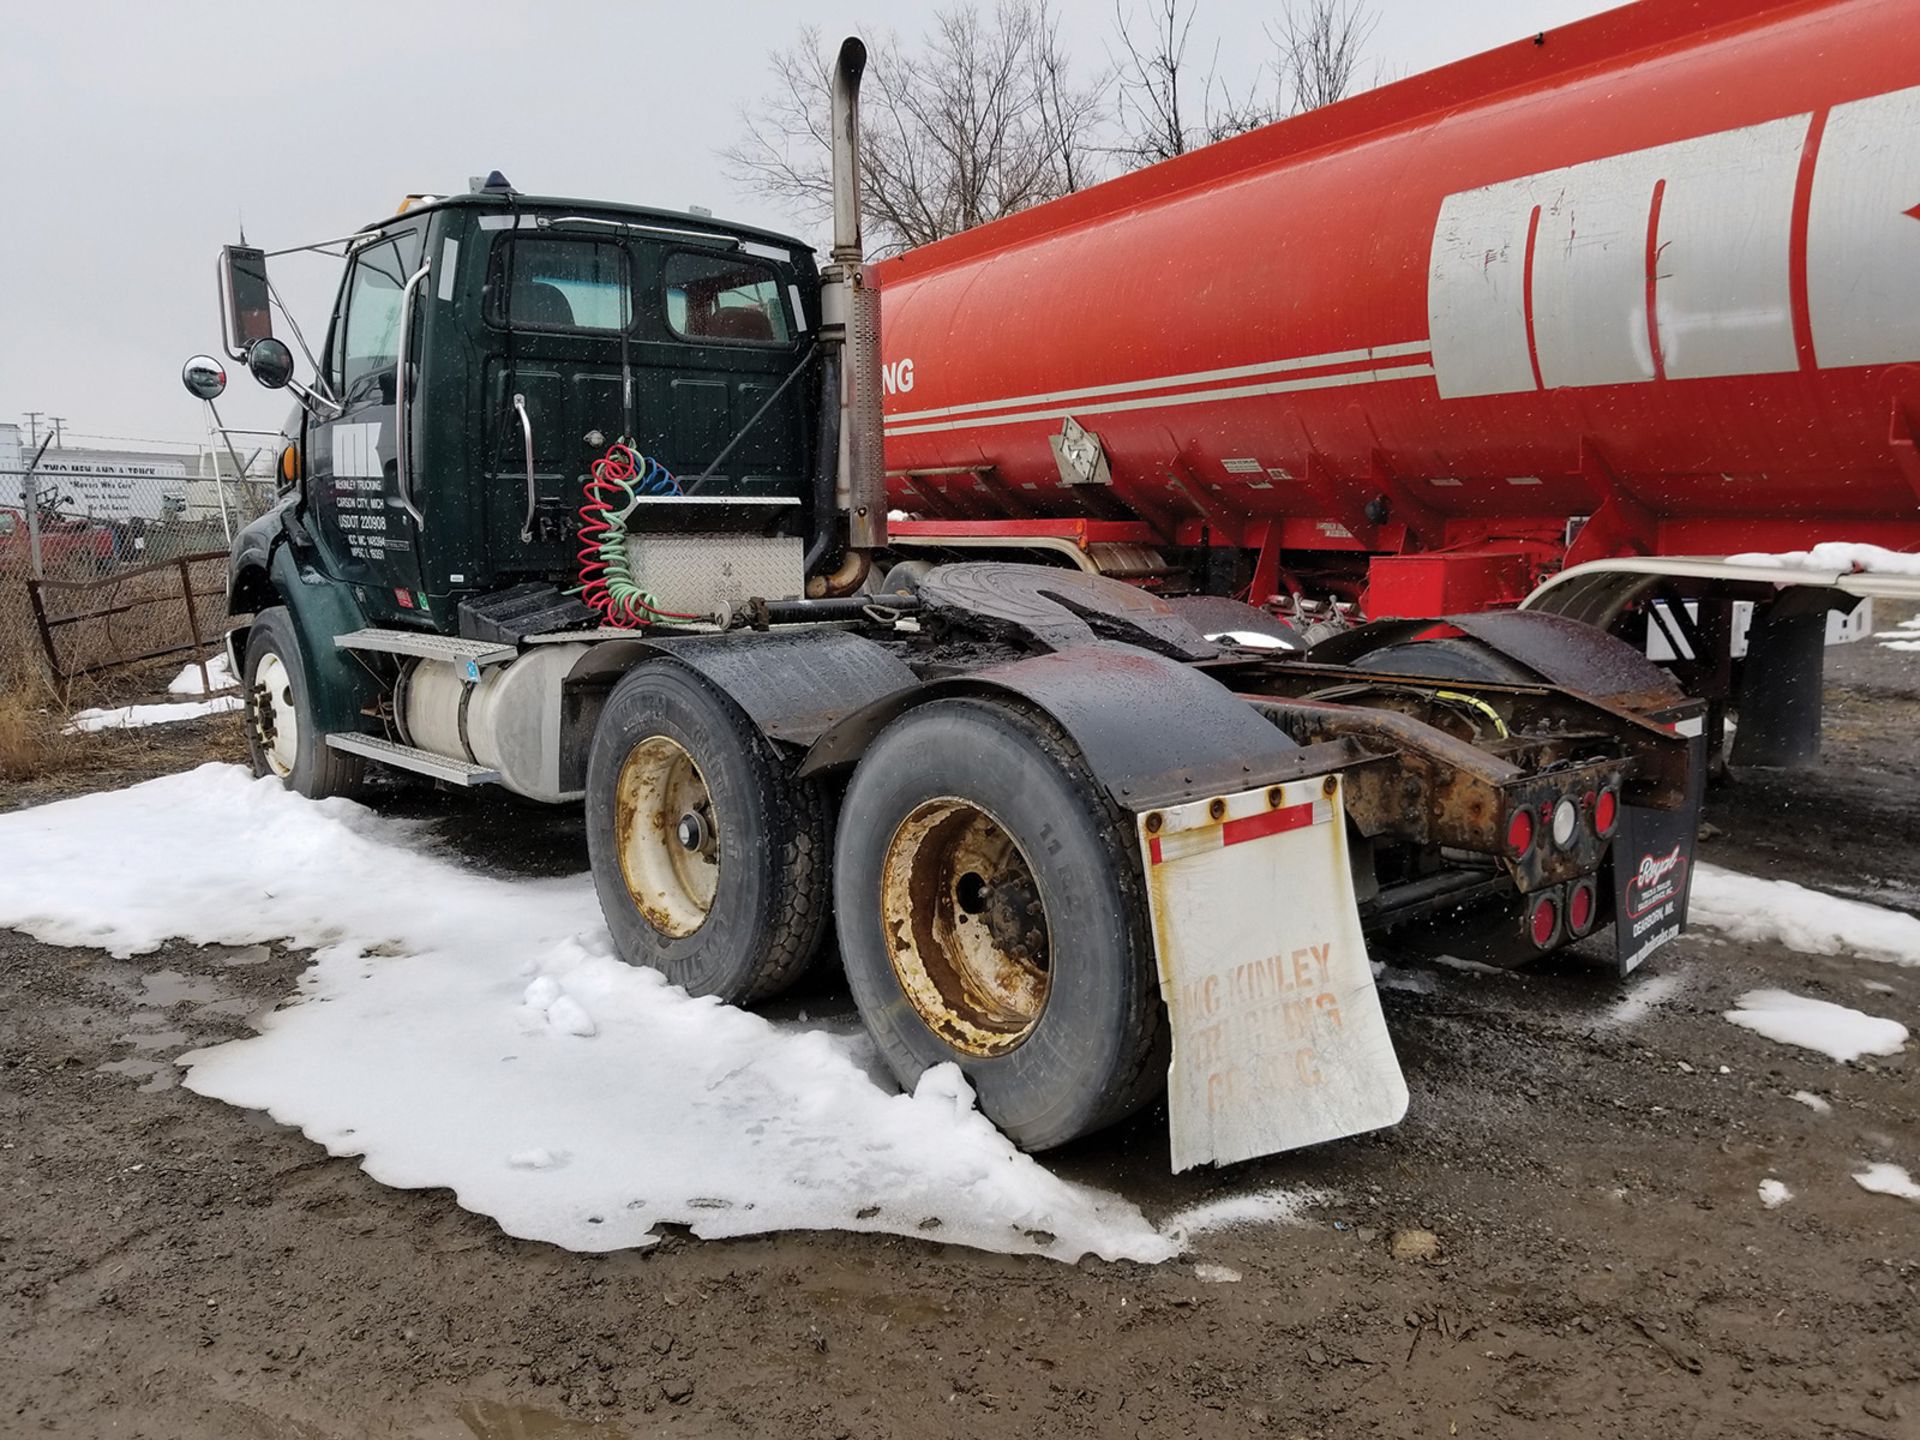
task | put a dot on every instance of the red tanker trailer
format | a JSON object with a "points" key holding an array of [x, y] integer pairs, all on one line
{"points": [[1648, 286]]}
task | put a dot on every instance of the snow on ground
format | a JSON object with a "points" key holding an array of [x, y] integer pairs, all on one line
{"points": [[463, 1030], [1836, 557], [1277, 1206], [136, 717], [187, 682], [1774, 1194], [1819, 1104], [1749, 908], [1646, 994], [1884, 1179], [1900, 644], [1834, 1030]]}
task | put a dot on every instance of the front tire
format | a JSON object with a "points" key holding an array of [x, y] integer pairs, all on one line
{"points": [[710, 861], [284, 739], [992, 914]]}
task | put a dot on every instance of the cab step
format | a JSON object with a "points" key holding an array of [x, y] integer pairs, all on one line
{"points": [[450, 648], [408, 757]]}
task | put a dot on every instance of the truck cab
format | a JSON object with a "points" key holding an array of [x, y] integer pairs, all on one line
{"points": [[534, 331]]}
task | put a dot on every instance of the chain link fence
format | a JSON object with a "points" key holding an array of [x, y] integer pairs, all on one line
{"points": [[106, 547]]}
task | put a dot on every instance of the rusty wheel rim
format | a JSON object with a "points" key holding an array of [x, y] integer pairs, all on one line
{"points": [[966, 930], [664, 833]]}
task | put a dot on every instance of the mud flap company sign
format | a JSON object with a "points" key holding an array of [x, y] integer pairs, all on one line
{"points": [[1278, 1039]]}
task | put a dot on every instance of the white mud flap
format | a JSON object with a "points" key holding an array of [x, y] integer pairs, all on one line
{"points": [[1278, 1039]]}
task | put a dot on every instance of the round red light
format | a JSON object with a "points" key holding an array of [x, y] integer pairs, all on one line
{"points": [[1520, 832], [1606, 810], [1580, 909], [1546, 919]]}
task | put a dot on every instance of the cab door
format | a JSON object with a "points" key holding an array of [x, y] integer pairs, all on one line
{"points": [[354, 501]]}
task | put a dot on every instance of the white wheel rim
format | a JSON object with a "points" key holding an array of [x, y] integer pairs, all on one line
{"points": [[665, 834], [276, 720]]}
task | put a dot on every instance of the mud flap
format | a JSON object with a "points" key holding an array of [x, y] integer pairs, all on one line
{"points": [[1653, 864], [1278, 1039]]}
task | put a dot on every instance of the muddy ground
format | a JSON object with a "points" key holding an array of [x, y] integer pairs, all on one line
{"points": [[1585, 1151]]}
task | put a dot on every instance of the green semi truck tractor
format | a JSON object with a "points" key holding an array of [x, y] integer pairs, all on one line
{"points": [[587, 500]]}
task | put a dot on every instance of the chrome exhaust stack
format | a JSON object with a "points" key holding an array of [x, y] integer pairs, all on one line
{"points": [[850, 313]]}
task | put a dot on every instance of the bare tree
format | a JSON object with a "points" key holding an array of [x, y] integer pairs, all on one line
{"points": [[1152, 67], [1321, 44], [984, 117]]}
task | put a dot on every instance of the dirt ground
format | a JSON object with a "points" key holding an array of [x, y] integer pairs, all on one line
{"points": [[1585, 1151]]}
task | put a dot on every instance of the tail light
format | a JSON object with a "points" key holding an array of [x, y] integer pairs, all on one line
{"points": [[1582, 906], [1565, 823], [1520, 831], [1606, 812], [1543, 924]]}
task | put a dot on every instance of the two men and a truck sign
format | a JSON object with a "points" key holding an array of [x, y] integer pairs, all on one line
{"points": [[1086, 764]]}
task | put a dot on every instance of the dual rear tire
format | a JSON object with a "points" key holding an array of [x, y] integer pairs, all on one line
{"points": [[990, 903]]}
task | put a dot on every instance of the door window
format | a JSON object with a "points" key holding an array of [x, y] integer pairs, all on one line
{"points": [[370, 330], [719, 297]]}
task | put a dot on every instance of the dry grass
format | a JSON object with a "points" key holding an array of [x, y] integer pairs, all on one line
{"points": [[31, 740]]}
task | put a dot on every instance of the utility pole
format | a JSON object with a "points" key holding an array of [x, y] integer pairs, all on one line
{"points": [[33, 425], [57, 421]]}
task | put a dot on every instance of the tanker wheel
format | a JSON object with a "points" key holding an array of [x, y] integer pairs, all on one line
{"points": [[992, 914], [710, 861], [283, 738]]}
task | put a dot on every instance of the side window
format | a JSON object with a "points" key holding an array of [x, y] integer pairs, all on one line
{"points": [[369, 342], [719, 297], [549, 284]]}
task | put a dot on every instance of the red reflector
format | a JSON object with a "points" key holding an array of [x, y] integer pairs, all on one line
{"points": [[1546, 919], [1606, 810], [1520, 832], [1580, 909]]}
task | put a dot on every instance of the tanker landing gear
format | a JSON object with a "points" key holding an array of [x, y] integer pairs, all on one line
{"points": [[710, 862]]}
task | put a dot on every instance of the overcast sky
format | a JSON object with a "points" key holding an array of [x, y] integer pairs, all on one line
{"points": [[139, 135]]}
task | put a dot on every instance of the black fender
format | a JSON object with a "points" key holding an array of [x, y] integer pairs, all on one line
{"points": [[794, 686], [1153, 730], [1566, 653]]}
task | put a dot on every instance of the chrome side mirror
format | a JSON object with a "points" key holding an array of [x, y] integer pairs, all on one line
{"points": [[271, 362], [204, 377]]}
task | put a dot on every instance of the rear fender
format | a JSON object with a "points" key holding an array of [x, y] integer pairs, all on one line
{"points": [[794, 686], [1154, 731]]}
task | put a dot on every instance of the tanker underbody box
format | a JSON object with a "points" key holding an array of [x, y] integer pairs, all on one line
{"points": [[697, 573], [1447, 584]]}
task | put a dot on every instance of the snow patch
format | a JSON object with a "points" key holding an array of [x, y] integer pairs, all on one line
{"points": [[1819, 1104], [1900, 644], [1779, 911], [1648, 993], [1884, 1179], [413, 1043], [138, 717], [219, 677], [1836, 557], [1774, 1194], [1835, 1030], [1277, 1206]]}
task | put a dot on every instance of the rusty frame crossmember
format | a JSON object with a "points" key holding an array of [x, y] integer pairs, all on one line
{"points": [[194, 641], [1413, 781]]}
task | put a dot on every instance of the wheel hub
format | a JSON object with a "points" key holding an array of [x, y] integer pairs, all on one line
{"points": [[275, 719], [664, 834], [966, 929]]}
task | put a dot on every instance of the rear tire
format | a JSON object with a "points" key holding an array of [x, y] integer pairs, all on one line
{"points": [[709, 859], [962, 818], [283, 738]]}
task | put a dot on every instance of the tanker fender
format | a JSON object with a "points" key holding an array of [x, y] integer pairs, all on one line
{"points": [[1569, 654], [1154, 731]]}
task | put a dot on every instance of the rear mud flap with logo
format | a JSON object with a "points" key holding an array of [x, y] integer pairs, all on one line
{"points": [[1278, 1039], [1653, 869]]}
